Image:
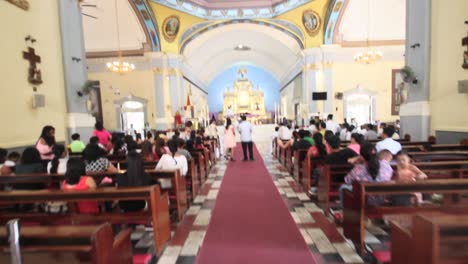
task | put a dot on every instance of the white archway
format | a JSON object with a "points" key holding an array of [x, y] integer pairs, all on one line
{"points": [[360, 103]]}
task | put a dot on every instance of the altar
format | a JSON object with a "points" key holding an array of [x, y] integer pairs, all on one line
{"points": [[243, 99]]}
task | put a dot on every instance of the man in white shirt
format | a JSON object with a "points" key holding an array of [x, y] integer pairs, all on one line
{"points": [[312, 128], [245, 131], [388, 143], [331, 125], [284, 133]]}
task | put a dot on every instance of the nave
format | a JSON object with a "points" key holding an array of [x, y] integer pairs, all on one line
{"points": [[245, 221]]}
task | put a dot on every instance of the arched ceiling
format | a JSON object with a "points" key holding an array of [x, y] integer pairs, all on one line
{"points": [[213, 51], [352, 22], [137, 27]]}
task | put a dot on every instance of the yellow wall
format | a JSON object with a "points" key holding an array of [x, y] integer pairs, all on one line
{"points": [[186, 21], [375, 77], [295, 16], [22, 125], [137, 83], [448, 107]]}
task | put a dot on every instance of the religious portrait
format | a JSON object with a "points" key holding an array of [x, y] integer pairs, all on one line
{"points": [[171, 28], [311, 21], [399, 92]]}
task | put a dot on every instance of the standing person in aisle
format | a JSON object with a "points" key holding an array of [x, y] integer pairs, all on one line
{"points": [[229, 140], [245, 130]]}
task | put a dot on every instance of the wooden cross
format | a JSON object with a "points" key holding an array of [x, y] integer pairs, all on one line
{"points": [[34, 75]]}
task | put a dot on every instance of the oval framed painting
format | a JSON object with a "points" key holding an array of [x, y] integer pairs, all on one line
{"points": [[170, 28], [311, 21]]}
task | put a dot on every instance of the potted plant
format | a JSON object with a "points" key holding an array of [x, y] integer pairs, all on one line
{"points": [[408, 75], [86, 88]]}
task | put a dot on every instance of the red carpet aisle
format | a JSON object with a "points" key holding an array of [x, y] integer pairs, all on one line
{"points": [[250, 221]]}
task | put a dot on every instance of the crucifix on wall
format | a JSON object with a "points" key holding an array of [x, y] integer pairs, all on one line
{"points": [[34, 74]]}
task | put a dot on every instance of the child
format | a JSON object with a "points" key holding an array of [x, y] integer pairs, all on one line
{"points": [[76, 146], [8, 167], [76, 180], [407, 172]]}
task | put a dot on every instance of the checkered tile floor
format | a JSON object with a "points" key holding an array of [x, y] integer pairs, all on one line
{"points": [[324, 238]]}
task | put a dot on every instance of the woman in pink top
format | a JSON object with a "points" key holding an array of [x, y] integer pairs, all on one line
{"points": [[46, 142], [76, 180], [355, 144], [103, 135]]}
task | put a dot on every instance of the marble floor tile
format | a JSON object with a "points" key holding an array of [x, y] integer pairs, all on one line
{"points": [[170, 255], [193, 243], [199, 199], [306, 236], [303, 196], [212, 194], [321, 241], [312, 207], [304, 215], [347, 253], [290, 193], [203, 217], [370, 238], [216, 184], [289, 179], [193, 210], [296, 218]]}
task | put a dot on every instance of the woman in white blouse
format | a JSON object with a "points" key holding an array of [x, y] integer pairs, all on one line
{"points": [[173, 160]]}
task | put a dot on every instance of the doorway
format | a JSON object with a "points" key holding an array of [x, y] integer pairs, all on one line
{"points": [[359, 103], [131, 114]]}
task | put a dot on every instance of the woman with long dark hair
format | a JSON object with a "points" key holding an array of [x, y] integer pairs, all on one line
{"points": [[229, 140], [95, 158], [76, 179], [59, 163], [30, 163], [135, 176], [46, 142], [355, 144], [319, 149], [372, 169], [173, 160]]}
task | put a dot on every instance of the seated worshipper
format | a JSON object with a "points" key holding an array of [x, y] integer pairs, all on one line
{"points": [[30, 163], [45, 143], [331, 125], [103, 135], [212, 130], [355, 144], [199, 143], [373, 168], [312, 128], [147, 148], [172, 161], [349, 132], [188, 130], [119, 149], [318, 149], [76, 179], [407, 172], [308, 137], [9, 166], [95, 159], [284, 135], [301, 144], [76, 146], [3, 156], [159, 148], [344, 131], [181, 149], [388, 143], [59, 163], [338, 155], [135, 176], [138, 139], [371, 134], [395, 135], [321, 127]]}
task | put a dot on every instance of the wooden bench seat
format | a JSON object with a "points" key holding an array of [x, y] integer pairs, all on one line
{"points": [[157, 213], [357, 209], [431, 238], [97, 242]]}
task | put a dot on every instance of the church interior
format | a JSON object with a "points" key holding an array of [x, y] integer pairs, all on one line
{"points": [[123, 89]]}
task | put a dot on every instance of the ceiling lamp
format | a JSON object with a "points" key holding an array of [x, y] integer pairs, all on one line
{"points": [[370, 55], [241, 47], [119, 65]]}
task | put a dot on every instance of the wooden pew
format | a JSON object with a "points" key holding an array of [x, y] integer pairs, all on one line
{"points": [[356, 207], [430, 238], [157, 213], [332, 176], [177, 192], [200, 165], [122, 164], [192, 181], [438, 147], [299, 157], [97, 243]]}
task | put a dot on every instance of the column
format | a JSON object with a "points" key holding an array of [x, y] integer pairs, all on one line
{"points": [[161, 82], [71, 27], [312, 68], [415, 114], [327, 63]]}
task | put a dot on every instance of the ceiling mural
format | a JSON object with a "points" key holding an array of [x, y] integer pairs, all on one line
{"points": [[149, 22], [233, 9], [335, 13]]}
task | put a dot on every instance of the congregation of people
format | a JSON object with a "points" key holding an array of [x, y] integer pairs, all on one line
{"points": [[103, 154], [370, 148]]}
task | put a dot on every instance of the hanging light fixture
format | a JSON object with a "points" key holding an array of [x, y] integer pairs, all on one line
{"points": [[119, 65], [370, 55]]}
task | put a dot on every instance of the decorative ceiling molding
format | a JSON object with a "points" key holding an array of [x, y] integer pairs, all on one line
{"points": [[333, 19], [282, 25], [233, 9], [147, 22]]}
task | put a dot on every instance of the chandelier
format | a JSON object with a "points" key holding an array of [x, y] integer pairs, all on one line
{"points": [[369, 56], [119, 65]]}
